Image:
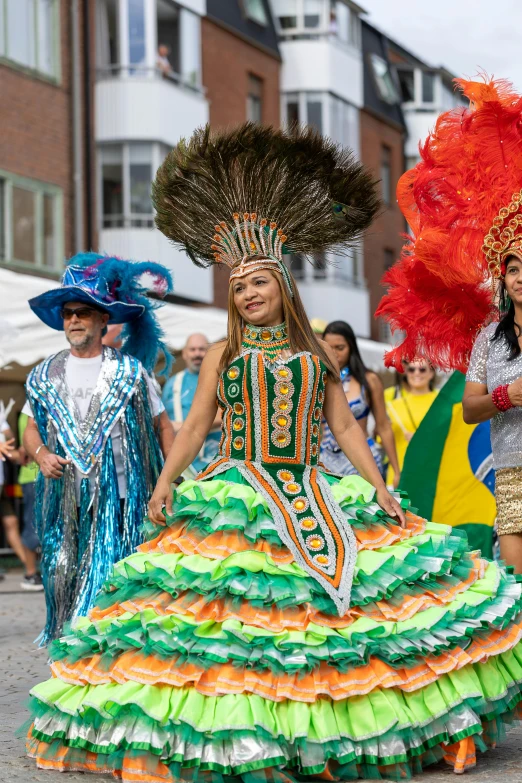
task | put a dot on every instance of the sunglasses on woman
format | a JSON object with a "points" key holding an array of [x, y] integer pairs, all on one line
{"points": [[412, 370]]}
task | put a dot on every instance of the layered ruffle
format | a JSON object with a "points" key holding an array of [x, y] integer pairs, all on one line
{"points": [[212, 649]]}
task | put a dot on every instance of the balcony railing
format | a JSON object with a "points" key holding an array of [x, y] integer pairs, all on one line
{"points": [[188, 82]]}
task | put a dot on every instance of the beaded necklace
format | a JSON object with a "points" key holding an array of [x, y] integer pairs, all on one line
{"points": [[272, 340]]}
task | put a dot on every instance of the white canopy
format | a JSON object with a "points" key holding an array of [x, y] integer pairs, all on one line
{"points": [[26, 340]]}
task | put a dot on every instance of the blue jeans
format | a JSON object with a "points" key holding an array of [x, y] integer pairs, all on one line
{"points": [[29, 537]]}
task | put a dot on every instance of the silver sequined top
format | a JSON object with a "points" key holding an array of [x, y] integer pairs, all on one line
{"points": [[490, 364]]}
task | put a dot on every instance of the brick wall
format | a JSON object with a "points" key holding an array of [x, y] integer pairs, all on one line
{"points": [[227, 62], [384, 233], [37, 122]]}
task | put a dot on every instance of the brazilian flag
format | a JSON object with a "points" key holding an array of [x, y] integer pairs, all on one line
{"points": [[448, 471]]}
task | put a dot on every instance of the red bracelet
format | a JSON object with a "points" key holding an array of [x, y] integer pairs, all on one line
{"points": [[500, 398]]}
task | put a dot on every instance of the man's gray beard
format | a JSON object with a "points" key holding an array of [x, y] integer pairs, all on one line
{"points": [[86, 342]]}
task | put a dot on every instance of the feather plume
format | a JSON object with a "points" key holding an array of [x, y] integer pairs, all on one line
{"points": [[142, 337], [439, 292], [317, 193]]}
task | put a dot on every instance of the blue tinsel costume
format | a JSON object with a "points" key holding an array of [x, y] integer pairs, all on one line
{"points": [[81, 543]]}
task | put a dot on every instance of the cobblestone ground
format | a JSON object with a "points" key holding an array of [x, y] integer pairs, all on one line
{"points": [[22, 665]]}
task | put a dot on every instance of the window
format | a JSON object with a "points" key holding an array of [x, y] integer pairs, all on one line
{"points": [[190, 46], [126, 173], [292, 109], [255, 99], [383, 79], [406, 84], [30, 223], [140, 176], [303, 17], [314, 111], [428, 87], [345, 23], [320, 266], [136, 13], [296, 263], [255, 11], [112, 186], [344, 123], [29, 34], [386, 175], [389, 259]]}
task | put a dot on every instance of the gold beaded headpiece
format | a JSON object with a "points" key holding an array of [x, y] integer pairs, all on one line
{"points": [[250, 237], [505, 236]]}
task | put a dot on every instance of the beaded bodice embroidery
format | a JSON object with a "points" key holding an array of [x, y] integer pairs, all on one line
{"points": [[272, 409]]}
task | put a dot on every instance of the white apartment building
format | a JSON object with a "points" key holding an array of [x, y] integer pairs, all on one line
{"points": [[322, 86], [143, 105]]}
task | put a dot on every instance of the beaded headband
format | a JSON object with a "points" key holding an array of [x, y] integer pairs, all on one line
{"points": [[251, 237], [505, 236]]}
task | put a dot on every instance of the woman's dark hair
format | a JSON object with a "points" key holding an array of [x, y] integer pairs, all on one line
{"points": [[355, 362], [507, 328]]}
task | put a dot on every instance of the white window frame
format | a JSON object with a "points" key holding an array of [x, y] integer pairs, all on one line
{"points": [[300, 28], [56, 75], [39, 189], [129, 220]]}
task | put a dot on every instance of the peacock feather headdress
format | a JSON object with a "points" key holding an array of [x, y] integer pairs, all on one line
{"points": [[226, 196]]}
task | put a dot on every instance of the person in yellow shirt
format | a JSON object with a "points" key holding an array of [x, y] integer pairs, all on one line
{"points": [[407, 409]]}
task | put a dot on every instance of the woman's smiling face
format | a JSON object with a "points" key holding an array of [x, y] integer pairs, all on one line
{"points": [[258, 299], [513, 279]]}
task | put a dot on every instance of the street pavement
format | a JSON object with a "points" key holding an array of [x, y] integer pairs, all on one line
{"points": [[22, 665]]}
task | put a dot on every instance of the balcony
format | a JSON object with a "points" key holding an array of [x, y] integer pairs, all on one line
{"points": [[168, 108]]}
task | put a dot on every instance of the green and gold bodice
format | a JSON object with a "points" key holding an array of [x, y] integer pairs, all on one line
{"points": [[272, 404]]}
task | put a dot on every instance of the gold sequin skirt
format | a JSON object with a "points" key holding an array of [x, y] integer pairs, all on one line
{"points": [[508, 494]]}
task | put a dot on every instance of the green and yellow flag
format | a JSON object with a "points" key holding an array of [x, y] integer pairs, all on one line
{"points": [[448, 471]]}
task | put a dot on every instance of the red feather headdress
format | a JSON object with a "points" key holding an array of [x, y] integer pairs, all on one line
{"points": [[463, 203]]}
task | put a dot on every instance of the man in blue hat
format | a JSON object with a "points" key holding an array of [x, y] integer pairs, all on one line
{"points": [[97, 429]]}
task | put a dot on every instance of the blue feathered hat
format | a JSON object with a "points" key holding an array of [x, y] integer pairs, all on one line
{"points": [[112, 285]]}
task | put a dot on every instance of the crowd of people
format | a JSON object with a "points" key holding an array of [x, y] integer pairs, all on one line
{"points": [[236, 584]]}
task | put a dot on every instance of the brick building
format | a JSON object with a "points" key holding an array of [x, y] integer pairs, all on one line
{"points": [[241, 72], [383, 134], [42, 80]]}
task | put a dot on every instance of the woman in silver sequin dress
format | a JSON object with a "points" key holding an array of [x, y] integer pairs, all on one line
{"points": [[494, 391]]}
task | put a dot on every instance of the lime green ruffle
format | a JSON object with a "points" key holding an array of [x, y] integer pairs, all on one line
{"points": [[488, 689], [491, 602]]}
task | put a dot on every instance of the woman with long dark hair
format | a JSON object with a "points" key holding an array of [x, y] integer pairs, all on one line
{"points": [[365, 394], [279, 623], [494, 391]]}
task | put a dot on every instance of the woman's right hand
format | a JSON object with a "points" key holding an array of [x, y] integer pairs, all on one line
{"points": [[161, 499]]}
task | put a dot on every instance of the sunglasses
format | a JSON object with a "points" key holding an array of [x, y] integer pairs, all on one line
{"points": [[81, 312], [412, 370]]}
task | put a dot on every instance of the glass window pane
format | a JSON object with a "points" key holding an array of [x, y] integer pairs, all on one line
{"points": [[46, 42], [168, 57], [407, 85], [428, 87], [112, 186], [190, 48], [386, 177], [24, 215], [292, 109], [287, 14], [20, 32], [340, 21], [314, 112], [312, 13], [255, 99], [320, 266], [296, 263], [49, 231], [136, 32], [2, 220], [383, 79], [140, 163], [255, 10]]}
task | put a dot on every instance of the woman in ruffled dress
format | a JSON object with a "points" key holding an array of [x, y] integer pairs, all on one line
{"points": [[279, 622]]}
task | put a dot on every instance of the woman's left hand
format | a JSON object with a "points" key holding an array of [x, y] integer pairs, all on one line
{"points": [[388, 503]]}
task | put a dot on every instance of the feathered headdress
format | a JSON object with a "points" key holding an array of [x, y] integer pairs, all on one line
{"points": [[115, 286], [463, 203], [227, 196]]}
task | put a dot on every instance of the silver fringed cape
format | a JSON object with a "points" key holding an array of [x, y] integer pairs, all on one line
{"points": [[80, 543]]}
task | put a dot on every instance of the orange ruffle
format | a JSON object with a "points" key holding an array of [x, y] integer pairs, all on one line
{"points": [[378, 535], [323, 681], [292, 618]]}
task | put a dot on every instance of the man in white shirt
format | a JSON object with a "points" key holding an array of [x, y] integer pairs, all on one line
{"points": [[95, 430]]}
